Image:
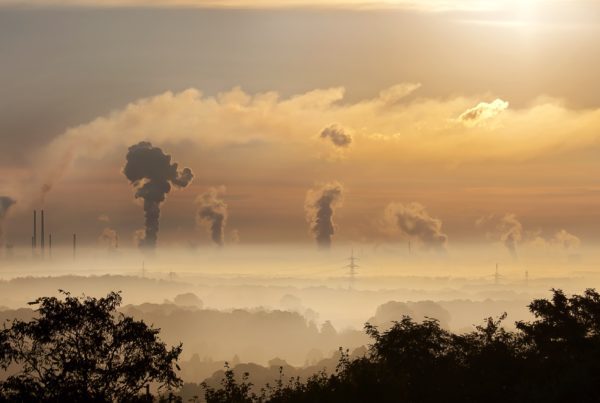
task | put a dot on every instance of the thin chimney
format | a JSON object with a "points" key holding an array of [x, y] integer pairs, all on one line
{"points": [[34, 239], [43, 237], [74, 246], [50, 245]]}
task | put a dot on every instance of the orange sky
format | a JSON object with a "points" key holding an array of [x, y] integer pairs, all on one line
{"points": [[469, 113]]}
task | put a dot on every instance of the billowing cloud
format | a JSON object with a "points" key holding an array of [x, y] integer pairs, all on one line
{"points": [[212, 213], [483, 111], [413, 221], [320, 205], [421, 130], [150, 170], [337, 135]]}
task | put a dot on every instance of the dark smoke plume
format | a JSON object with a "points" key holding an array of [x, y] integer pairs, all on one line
{"points": [[5, 204], [320, 206], [212, 211], [414, 221], [150, 170], [338, 136]]}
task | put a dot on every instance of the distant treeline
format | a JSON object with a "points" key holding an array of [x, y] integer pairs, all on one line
{"points": [[554, 358], [84, 349]]}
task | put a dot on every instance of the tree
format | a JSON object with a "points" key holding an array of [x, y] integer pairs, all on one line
{"points": [[555, 358], [82, 349]]}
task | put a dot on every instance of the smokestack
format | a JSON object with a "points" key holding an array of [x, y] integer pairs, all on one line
{"points": [[43, 236], [74, 246], [34, 241], [50, 245]]}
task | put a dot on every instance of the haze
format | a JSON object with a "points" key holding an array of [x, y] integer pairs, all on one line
{"points": [[248, 156]]}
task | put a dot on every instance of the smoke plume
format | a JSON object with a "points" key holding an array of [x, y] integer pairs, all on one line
{"points": [[414, 222], [507, 228], [109, 238], [338, 136], [150, 170], [212, 212], [5, 204], [566, 240], [320, 206]]}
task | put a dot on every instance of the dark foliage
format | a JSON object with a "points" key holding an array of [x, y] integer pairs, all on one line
{"points": [[555, 358], [82, 350]]}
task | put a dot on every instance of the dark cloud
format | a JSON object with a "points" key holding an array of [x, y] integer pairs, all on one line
{"points": [[150, 170], [320, 206], [414, 222], [212, 211], [338, 136]]}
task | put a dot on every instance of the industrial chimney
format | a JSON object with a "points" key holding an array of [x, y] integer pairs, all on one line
{"points": [[43, 236], [74, 246], [34, 240]]}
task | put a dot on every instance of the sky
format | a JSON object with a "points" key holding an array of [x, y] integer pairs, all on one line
{"points": [[445, 122]]}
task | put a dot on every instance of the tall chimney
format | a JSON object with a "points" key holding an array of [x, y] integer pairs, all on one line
{"points": [[34, 239], [43, 236], [50, 245], [74, 246]]}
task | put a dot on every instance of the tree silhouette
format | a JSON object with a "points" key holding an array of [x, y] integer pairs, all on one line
{"points": [[82, 349], [555, 358]]}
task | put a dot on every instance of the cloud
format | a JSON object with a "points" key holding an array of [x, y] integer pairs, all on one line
{"points": [[483, 111], [103, 218], [337, 135], [212, 212], [421, 130], [413, 221], [320, 205]]}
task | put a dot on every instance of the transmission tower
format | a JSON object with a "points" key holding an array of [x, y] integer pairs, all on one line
{"points": [[352, 269]]}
